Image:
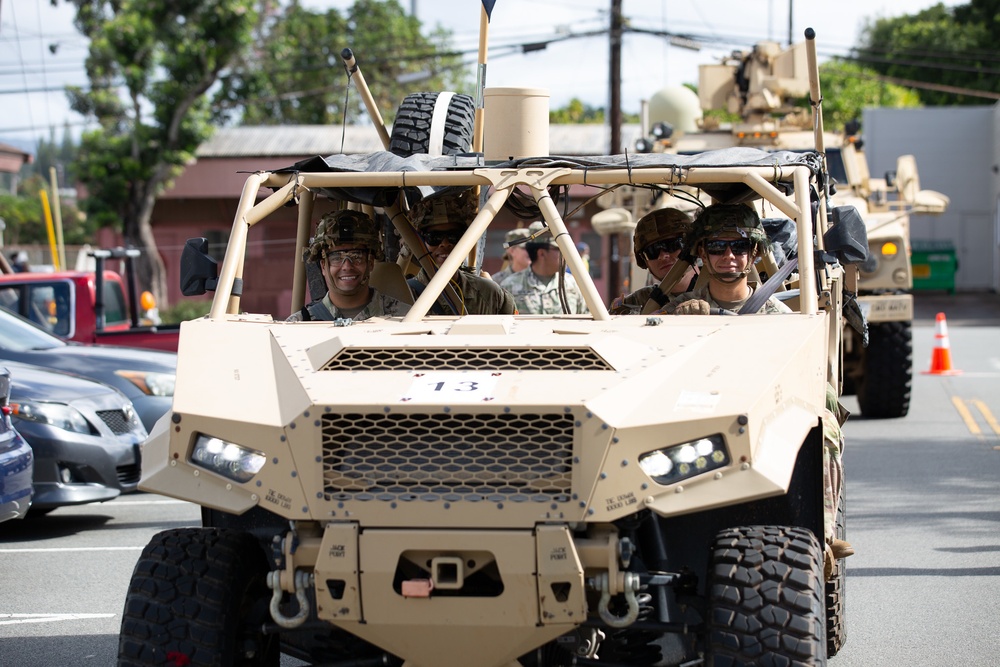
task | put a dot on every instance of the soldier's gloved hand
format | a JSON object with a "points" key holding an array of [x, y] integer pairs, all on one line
{"points": [[693, 307]]}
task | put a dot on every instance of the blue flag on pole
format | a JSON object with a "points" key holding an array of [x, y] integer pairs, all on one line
{"points": [[488, 6]]}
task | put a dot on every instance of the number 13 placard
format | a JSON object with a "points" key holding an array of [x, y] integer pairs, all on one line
{"points": [[452, 387]]}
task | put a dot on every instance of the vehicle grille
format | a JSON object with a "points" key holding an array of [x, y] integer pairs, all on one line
{"points": [[116, 421], [129, 474], [448, 457], [467, 359]]}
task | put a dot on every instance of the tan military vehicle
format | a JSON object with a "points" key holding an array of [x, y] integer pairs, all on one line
{"points": [[499, 490], [761, 87]]}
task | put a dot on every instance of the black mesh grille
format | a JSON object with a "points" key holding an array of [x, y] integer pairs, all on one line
{"points": [[448, 457], [467, 359], [116, 421]]}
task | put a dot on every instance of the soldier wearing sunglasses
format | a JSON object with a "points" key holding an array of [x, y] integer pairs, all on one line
{"points": [[728, 238], [345, 248], [440, 224], [657, 242]]}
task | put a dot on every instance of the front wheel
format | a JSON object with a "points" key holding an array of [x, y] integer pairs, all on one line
{"points": [[198, 597], [766, 598]]}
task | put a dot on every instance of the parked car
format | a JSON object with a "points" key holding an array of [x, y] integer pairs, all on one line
{"points": [[85, 435], [16, 460], [146, 377]]}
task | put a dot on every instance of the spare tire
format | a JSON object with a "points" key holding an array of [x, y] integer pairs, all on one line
{"points": [[434, 124]]}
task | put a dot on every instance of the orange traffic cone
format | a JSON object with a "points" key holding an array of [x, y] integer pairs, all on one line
{"points": [[941, 356]]}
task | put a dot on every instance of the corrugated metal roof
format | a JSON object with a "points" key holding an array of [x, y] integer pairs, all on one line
{"points": [[299, 140]]}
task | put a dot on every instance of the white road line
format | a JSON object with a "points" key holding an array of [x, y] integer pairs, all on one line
{"points": [[18, 619], [67, 549]]}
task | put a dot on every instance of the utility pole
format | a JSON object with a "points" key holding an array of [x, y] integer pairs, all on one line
{"points": [[615, 82], [615, 120]]}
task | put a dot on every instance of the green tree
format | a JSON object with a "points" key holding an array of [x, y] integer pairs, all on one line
{"points": [[150, 65], [296, 74], [950, 49], [848, 88]]}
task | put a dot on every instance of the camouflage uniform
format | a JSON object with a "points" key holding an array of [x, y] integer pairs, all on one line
{"points": [[481, 296], [381, 305], [535, 296], [834, 416], [771, 306]]}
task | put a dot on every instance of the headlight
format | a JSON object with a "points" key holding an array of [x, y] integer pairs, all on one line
{"points": [[226, 458], [679, 462], [151, 384], [59, 415]]}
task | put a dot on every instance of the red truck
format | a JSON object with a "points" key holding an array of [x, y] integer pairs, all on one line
{"points": [[88, 307]]}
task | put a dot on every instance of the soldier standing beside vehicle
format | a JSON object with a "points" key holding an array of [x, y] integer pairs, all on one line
{"points": [[441, 224], [346, 247], [728, 238], [536, 289], [657, 243], [515, 256]]}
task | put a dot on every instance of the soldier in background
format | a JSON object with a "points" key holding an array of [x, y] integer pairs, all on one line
{"points": [[515, 257], [536, 289], [346, 247], [657, 243], [441, 223]]}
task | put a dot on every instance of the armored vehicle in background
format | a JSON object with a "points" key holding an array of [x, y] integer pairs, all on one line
{"points": [[500, 490], [761, 88]]}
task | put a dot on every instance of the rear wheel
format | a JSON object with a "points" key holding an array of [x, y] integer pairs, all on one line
{"points": [[766, 598], [433, 123], [198, 597], [883, 389]]}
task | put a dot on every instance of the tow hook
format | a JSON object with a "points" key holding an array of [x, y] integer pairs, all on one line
{"points": [[302, 579], [629, 584]]}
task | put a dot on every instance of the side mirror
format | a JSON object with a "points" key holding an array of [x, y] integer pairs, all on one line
{"points": [[199, 271], [847, 237]]}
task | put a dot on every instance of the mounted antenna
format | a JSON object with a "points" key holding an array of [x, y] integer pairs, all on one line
{"points": [[354, 72]]}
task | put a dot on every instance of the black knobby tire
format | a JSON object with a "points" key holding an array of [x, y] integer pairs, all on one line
{"points": [[766, 598], [198, 597], [434, 124], [884, 389], [836, 588]]}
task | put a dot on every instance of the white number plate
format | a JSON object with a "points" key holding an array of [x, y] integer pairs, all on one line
{"points": [[452, 387]]}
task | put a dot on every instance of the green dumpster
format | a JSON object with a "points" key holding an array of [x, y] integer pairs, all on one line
{"points": [[934, 265]]}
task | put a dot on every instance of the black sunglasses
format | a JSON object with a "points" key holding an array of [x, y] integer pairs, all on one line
{"points": [[437, 238], [718, 246], [653, 250]]}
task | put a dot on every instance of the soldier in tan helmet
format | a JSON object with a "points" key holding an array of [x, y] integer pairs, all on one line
{"points": [[657, 243], [537, 288], [346, 247], [441, 223]]}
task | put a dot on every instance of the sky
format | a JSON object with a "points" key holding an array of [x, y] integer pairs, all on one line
{"points": [[41, 52]]}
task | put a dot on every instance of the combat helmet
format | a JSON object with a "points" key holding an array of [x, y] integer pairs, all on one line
{"points": [[663, 223], [344, 228], [541, 237], [737, 218], [443, 210]]}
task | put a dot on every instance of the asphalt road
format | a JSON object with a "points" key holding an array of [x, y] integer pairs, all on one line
{"points": [[923, 589]]}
